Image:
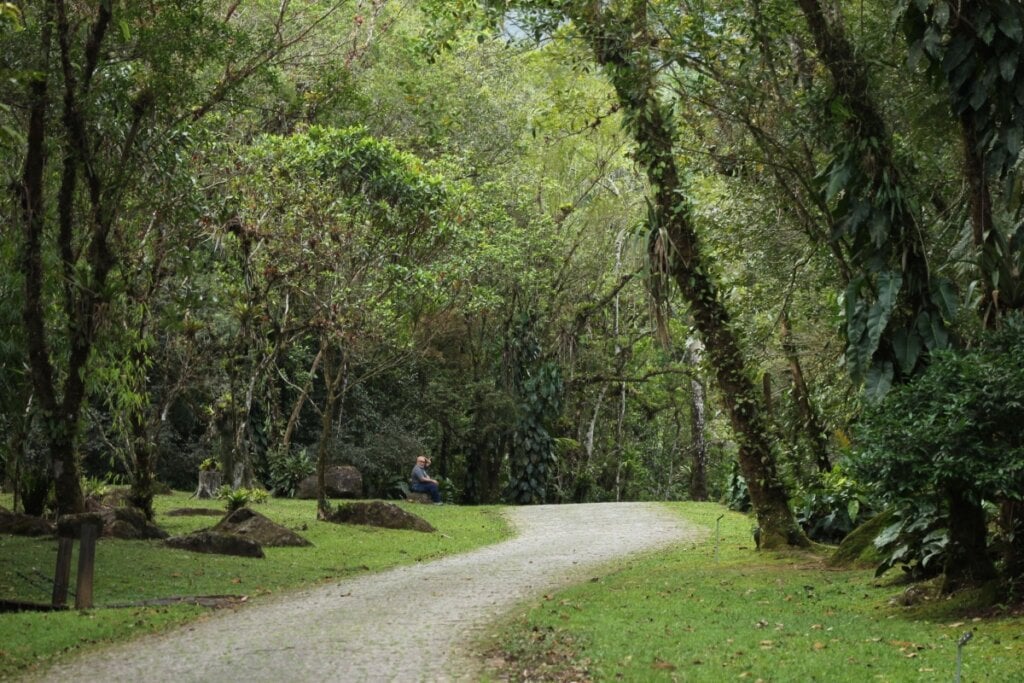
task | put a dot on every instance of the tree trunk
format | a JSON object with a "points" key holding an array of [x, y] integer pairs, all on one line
{"points": [[335, 386], [623, 51], [699, 447], [967, 560], [141, 495], [809, 422], [1011, 526], [209, 482]]}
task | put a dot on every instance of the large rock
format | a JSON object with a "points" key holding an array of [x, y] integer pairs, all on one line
{"points": [[341, 481], [129, 523], [124, 522], [24, 525], [379, 513], [195, 512], [216, 542], [250, 524]]}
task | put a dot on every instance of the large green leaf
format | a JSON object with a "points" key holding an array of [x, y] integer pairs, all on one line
{"points": [[906, 345], [944, 296], [878, 381], [878, 317]]}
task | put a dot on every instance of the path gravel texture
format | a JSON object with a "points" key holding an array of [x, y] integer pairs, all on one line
{"points": [[412, 623]]}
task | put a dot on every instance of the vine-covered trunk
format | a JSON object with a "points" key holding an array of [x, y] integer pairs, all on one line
{"points": [[699, 448], [808, 416], [620, 46], [144, 462]]}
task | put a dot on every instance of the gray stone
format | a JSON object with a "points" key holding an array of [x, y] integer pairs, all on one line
{"points": [[24, 525], [195, 512], [250, 524], [217, 543], [379, 513], [340, 481]]}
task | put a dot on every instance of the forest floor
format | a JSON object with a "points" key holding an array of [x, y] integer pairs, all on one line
{"points": [[412, 623]]}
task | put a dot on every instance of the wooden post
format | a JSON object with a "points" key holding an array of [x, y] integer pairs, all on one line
{"points": [[62, 575], [86, 560]]}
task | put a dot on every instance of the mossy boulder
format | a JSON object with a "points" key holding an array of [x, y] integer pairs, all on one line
{"points": [[858, 548], [217, 543], [379, 513], [250, 524], [24, 525]]}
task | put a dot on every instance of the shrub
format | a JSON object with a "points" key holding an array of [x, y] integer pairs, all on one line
{"points": [[241, 497], [737, 497], [832, 507], [953, 434], [289, 468], [209, 465]]}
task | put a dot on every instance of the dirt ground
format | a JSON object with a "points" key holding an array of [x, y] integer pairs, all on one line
{"points": [[413, 623]]}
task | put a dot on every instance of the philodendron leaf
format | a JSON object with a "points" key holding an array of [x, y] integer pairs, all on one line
{"points": [[906, 345], [944, 296], [878, 381], [878, 317]]}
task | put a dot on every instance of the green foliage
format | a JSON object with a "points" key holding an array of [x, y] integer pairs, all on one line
{"points": [[832, 507], [956, 428], [93, 487], [539, 386], [737, 494], [289, 468], [916, 541], [209, 465], [238, 498], [977, 51]]}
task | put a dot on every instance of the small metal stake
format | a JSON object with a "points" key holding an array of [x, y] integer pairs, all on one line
{"points": [[717, 523], [964, 639]]}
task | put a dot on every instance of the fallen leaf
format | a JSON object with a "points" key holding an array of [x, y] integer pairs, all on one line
{"points": [[956, 624], [661, 664], [236, 580], [816, 627], [818, 645]]}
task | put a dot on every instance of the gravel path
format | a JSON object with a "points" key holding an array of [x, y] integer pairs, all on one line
{"points": [[365, 630]]}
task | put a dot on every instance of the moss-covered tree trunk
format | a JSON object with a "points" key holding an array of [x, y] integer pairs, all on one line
{"points": [[620, 45]]}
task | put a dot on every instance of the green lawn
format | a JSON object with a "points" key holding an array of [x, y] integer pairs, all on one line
{"points": [[680, 616], [131, 571], [676, 615]]}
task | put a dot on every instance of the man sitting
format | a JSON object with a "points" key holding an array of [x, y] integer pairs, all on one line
{"points": [[420, 481]]}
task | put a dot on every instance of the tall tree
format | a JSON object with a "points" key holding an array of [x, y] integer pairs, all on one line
{"points": [[109, 85], [621, 38]]}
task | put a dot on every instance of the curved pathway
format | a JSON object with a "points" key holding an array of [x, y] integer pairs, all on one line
{"points": [[364, 629]]}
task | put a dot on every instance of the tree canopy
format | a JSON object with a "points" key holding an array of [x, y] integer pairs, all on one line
{"points": [[763, 251]]}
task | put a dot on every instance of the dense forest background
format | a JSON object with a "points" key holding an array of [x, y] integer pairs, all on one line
{"points": [[760, 251]]}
